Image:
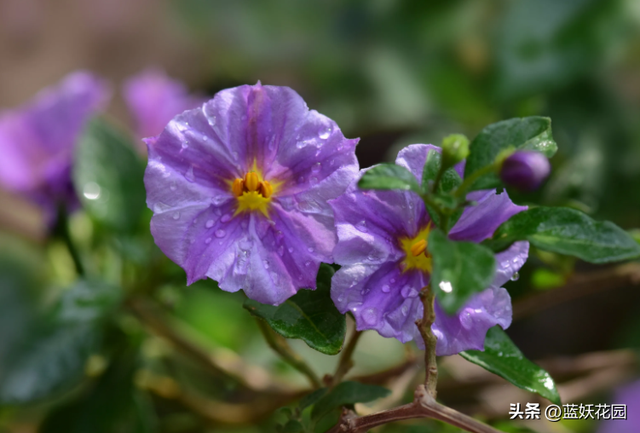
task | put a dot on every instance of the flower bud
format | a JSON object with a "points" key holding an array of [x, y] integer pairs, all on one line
{"points": [[455, 148], [525, 170]]}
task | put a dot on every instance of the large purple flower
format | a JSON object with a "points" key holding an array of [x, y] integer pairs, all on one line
{"points": [[154, 99], [380, 233], [239, 189], [37, 140]]}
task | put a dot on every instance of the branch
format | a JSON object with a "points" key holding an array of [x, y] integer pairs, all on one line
{"points": [[279, 344], [345, 363], [424, 325], [250, 377], [580, 285], [423, 406]]}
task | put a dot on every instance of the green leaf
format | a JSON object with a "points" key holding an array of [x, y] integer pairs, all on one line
{"points": [[531, 133], [567, 231], [51, 354], [389, 176], [460, 269], [308, 315], [108, 177], [312, 398], [503, 358], [347, 393]]}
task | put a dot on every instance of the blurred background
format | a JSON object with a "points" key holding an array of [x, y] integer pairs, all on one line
{"points": [[393, 73]]}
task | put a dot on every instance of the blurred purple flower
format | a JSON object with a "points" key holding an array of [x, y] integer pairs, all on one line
{"points": [[525, 170], [37, 140], [381, 248], [154, 99], [239, 189], [628, 395]]}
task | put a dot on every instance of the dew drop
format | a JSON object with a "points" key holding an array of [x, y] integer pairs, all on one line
{"points": [[409, 292], [325, 134], [209, 224], [290, 249], [184, 144], [362, 226], [207, 241], [386, 288], [91, 191], [370, 316], [225, 218], [160, 207], [313, 180], [466, 320], [281, 251], [316, 167], [176, 216], [220, 233], [515, 276], [172, 186], [307, 264], [266, 264], [393, 280], [189, 175]]}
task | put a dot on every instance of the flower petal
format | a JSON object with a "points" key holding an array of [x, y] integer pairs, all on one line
{"points": [[478, 222], [510, 261], [414, 156], [468, 328], [380, 297]]}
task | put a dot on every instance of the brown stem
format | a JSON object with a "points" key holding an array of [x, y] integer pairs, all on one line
{"points": [[423, 406], [148, 313], [346, 363], [430, 340], [281, 347]]}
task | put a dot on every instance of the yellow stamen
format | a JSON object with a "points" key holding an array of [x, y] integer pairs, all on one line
{"points": [[252, 181], [238, 187], [265, 189], [415, 249], [419, 247]]}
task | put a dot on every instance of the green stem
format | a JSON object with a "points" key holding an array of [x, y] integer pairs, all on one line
{"points": [[346, 363], [282, 348], [424, 325], [473, 177], [62, 231]]}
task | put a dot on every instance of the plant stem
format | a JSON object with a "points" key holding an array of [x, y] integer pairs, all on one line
{"points": [[61, 229], [423, 406], [469, 181], [424, 325], [282, 348], [346, 362]]}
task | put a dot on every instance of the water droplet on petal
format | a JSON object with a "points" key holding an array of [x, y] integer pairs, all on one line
{"points": [[220, 233], [290, 249], [393, 280], [185, 144], [325, 134], [307, 264], [281, 251], [209, 224], [172, 186], [515, 276], [160, 207], [316, 167], [207, 241], [310, 249], [176, 216], [266, 264], [189, 175], [91, 191], [409, 292], [225, 218], [370, 316], [313, 180], [466, 319], [362, 226], [386, 288]]}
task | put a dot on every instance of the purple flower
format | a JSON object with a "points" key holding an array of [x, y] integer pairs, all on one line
{"points": [[37, 140], [154, 99], [381, 248], [525, 170], [628, 395], [239, 189]]}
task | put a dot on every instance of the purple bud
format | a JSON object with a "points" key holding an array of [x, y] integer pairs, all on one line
{"points": [[525, 170]]}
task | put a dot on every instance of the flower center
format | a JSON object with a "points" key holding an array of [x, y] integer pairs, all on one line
{"points": [[415, 249], [253, 193]]}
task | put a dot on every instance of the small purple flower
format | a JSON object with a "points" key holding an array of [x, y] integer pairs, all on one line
{"points": [[382, 250], [37, 140], [525, 170], [239, 189], [154, 99]]}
